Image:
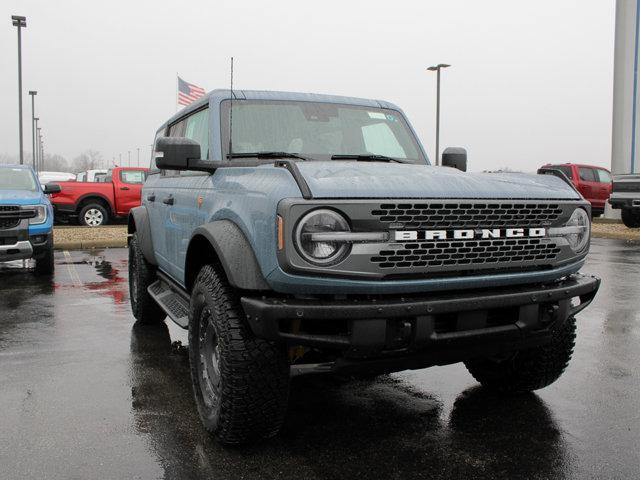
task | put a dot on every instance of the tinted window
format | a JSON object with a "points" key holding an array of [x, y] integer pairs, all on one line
{"points": [[603, 176], [587, 174], [17, 179], [133, 176]]}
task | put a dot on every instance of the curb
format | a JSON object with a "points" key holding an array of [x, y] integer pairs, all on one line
{"points": [[616, 236], [90, 244]]}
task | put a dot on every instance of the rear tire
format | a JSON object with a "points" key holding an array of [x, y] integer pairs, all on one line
{"points": [[240, 383], [93, 215], [141, 275], [45, 265], [529, 369], [630, 217]]}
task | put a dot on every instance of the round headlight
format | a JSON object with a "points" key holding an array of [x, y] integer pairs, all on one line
{"points": [[579, 237], [321, 252]]}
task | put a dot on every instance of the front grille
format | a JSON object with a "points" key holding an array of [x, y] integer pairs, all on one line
{"points": [[9, 216], [9, 208], [9, 222], [465, 253], [467, 215]]}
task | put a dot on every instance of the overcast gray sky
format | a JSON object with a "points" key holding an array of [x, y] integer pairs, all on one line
{"points": [[530, 82]]}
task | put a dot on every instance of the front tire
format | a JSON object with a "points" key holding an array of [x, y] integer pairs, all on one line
{"points": [[141, 275], [240, 383], [93, 215], [530, 369], [630, 218], [45, 264]]}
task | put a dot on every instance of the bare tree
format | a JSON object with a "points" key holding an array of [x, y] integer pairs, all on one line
{"points": [[55, 163], [87, 160]]}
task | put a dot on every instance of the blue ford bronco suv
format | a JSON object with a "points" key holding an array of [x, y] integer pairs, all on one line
{"points": [[309, 233], [26, 218]]}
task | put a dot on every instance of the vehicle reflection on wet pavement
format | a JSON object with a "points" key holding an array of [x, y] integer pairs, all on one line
{"points": [[86, 393]]}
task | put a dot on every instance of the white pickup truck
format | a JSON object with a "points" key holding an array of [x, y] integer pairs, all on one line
{"points": [[626, 197]]}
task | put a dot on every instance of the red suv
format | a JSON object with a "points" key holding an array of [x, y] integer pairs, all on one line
{"points": [[594, 183]]}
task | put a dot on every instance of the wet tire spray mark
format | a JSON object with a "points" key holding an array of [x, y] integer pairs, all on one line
{"points": [[71, 268]]}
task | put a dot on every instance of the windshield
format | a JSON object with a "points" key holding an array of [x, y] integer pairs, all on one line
{"points": [[318, 130], [17, 179]]}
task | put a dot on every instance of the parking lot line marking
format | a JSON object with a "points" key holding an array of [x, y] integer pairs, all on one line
{"points": [[71, 268]]}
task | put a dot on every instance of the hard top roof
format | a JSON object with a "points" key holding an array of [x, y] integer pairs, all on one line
{"points": [[219, 95]]}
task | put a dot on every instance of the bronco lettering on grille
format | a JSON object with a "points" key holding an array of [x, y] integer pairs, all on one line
{"points": [[469, 234]]}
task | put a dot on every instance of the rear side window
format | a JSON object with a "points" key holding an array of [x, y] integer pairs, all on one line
{"points": [[603, 176], [134, 177], [587, 174]]}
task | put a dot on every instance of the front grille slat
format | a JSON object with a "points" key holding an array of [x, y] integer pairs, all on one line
{"points": [[468, 215], [449, 253]]}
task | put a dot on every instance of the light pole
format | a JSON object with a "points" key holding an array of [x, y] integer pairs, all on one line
{"points": [[437, 68], [128, 158], [36, 145], [138, 160], [20, 22], [40, 149], [33, 94], [120, 160]]}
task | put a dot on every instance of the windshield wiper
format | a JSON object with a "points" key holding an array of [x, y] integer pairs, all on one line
{"points": [[267, 155], [368, 158]]}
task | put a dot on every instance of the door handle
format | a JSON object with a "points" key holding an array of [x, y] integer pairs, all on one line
{"points": [[124, 188], [168, 201], [151, 198]]}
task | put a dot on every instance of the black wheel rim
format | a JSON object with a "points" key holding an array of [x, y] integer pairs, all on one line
{"points": [[209, 350]]}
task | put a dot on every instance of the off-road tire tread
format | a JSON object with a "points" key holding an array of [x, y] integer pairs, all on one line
{"points": [[529, 369], [630, 218], [254, 372], [143, 306]]}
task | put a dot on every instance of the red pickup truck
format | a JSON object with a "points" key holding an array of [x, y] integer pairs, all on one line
{"points": [[95, 203], [594, 183]]}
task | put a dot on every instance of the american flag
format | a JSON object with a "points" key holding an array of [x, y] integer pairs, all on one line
{"points": [[188, 92]]}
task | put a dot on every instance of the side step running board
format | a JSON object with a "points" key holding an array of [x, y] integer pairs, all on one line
{"points": [[171, 300]]}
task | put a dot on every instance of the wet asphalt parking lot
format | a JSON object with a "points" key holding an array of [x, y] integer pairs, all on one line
{"points": [[85, 393]]}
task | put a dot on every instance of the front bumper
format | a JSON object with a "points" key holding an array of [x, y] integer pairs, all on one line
{"points": [[394, 333], [17, 251], [24, 243]]}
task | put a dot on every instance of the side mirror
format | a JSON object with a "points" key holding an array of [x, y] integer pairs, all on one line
{"points": [[455, 157], [50, 188], [177, 153]]}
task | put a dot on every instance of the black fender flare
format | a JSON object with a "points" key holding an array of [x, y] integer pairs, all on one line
{"points": [[233, 251], [139, 223], [97, 196]]}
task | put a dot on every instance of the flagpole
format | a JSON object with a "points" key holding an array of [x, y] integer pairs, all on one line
{"points": [[177, 88]]}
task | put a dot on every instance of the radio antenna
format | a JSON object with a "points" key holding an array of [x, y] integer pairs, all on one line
{"points": [[231, 115]]}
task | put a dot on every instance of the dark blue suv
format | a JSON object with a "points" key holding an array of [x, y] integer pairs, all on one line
{"points": [[309, 232], [26, 218]]}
